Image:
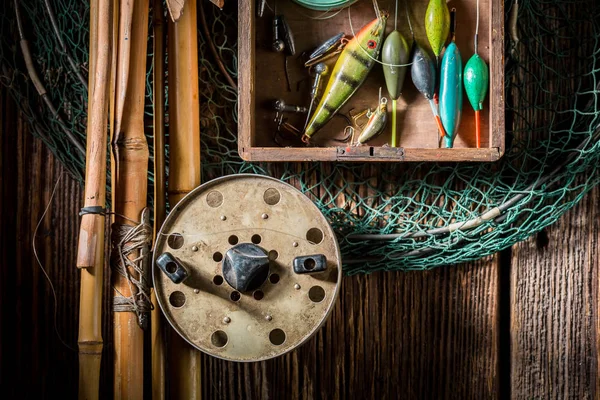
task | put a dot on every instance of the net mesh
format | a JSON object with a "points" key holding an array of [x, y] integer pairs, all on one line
{"points": [[436, 214]]}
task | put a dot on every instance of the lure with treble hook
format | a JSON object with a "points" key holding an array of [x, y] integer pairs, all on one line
{"points": [[477, 80], [451, 82], [376, 123], [395, 57], [350, 71], [423, 73], [437, 25]]}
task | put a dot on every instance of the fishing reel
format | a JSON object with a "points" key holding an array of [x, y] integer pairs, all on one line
{"points": [[246, 268]]}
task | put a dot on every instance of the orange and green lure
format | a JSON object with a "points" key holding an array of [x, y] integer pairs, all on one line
{"points": [[349, 73]]}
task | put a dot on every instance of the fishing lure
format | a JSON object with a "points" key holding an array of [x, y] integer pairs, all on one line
{"points": [[325, 57], [423, 73], [395, 57], [437, 25], [451, 90], [288, 37], [282, 29], [281, 106], [349, 73], [321, 69], [476, 80], [278, 44], [260, 7], [327, 45], [376, 123]]}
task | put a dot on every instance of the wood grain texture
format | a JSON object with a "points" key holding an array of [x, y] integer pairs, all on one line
{"points": [[555, 308], [418, 334], [183, 361], [34, 362], [130, 188], [333, 154]]}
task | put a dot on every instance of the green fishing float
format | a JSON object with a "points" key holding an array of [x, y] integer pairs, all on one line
{"points": [[395, 55], [437, 25], [476, 81]]}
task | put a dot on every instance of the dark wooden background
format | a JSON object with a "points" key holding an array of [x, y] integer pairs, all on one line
{"points": [[521, 324]]}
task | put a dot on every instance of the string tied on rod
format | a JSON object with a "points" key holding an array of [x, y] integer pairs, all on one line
{"points": [[130, 252]]}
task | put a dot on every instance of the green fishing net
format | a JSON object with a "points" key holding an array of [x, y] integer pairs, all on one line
{"points": [[423, 214]]}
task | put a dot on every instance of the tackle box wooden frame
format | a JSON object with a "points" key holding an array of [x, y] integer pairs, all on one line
{"points": [[261, 81]]}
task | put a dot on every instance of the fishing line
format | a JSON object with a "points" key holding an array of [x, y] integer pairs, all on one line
{"points": [[37, 258], [396, 17], [377, 10], [408, 18], [127, 241], [365, 50], [477, 28]]}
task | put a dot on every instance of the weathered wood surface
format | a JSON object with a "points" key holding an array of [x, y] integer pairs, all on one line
{"points": [[554, 325], [33, 361], [481, 330], [415, 335]]}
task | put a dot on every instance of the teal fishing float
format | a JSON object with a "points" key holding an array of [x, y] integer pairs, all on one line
{"points": [[451, 88], [477, 81], [395, 57]]}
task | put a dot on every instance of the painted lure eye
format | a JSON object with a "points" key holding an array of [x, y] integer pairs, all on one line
{"points": [[372, 44]]}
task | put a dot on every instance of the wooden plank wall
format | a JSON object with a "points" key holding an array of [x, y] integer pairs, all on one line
{"points": [[521, 324]]}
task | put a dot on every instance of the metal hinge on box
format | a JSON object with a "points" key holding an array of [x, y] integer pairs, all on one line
{"points": [[367, 152]]}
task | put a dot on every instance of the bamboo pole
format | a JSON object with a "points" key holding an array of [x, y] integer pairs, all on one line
{"points": [[130, 185], [157, 328], [184, 172], [90, 251], [124, 43]]}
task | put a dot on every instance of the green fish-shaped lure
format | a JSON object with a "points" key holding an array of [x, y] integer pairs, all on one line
{"points": [[349, 73]]}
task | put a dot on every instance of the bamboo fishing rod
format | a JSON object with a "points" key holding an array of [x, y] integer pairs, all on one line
{"points": [[131, 230], [184, 170], [90, 250], [157, 328]]}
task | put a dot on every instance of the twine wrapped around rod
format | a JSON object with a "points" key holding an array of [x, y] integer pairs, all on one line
{"points": [[130, 251]]}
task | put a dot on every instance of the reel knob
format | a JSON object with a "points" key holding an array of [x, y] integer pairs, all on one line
{"points": [[245, 267]]}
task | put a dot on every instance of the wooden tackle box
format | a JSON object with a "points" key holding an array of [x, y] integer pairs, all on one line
{"points": [[262, 80]]}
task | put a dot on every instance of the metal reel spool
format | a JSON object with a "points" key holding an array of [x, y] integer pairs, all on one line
{"points": [[246, 268]]}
